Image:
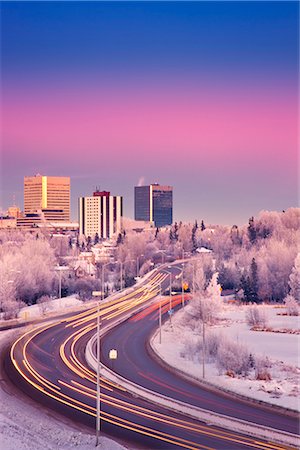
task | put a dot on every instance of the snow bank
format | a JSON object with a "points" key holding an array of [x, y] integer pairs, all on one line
{"points": [[52, 306]]}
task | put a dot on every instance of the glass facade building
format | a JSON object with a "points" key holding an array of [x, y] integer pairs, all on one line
{"points": [[154, 203]]}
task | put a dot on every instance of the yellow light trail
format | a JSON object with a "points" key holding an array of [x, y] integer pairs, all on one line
{"points": [[87, 323]]}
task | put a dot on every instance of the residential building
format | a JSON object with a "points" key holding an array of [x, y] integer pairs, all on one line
{"points": [[154, 203], [47, 196], [100, 214]]}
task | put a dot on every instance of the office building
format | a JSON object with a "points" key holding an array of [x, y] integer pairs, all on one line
{"points": [[154, 203], [102, 214], [47, 196]]}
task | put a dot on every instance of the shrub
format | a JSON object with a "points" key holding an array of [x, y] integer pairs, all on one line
{"points": [[291, 305], [262, 366], [256, 317], [233, 357]]}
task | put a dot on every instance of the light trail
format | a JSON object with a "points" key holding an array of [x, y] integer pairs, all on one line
{"points": [[82, 326]]}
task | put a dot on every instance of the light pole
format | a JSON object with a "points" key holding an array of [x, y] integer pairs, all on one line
{"points": [[102, 275], [182, 273], [203, 346], [163, 252], [102, 278], [60, 269], [138, 264], [159, 318], [98, 416], [170, 294], [123, 266]]}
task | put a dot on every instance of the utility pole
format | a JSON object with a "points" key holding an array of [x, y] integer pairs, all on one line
{"points": [[203, 348], [159, 320], [98, 419], [182, 288], [121, 275], [98, 404]]}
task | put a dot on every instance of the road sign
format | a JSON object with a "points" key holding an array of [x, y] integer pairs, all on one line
{"points": [[185, 286]]}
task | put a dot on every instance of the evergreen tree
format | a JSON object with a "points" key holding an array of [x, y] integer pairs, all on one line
{"points": [[89, 242], [70, 242], [96, 239], [202, 226], [252, 230], [119, 239], [246, 286], [175, 232], [254, 280], [194, 240], [77, 242], [156, 232], [249, 284]]}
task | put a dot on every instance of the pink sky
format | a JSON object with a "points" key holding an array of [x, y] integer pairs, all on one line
{"points": [[231, 131]]}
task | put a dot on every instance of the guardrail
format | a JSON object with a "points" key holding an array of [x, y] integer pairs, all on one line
{"points": [[209, 417]]}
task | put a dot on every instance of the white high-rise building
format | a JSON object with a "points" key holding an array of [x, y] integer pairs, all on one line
{"points": [[100, 214]]}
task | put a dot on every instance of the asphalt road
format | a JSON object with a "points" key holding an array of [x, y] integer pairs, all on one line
{"points": [[134, 363], [49, 364]]}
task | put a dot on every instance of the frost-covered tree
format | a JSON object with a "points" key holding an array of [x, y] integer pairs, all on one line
{"points": [[256, 316], [292, 307], [294, 280], [233, 357]]}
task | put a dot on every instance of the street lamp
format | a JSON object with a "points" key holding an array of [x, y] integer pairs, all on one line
{"points": [[98, 417], [123, 268], [170, 293], [60, 269], [163, 252], [159, 317], [138, 264]]}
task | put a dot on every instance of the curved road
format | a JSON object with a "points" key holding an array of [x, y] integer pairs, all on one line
{"points": [[135, 364], [49, 364]]}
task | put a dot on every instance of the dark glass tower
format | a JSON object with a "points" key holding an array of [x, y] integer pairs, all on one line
{"points": [[154, 203]]}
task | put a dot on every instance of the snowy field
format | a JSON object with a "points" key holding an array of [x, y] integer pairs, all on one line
{"points": [[282, 350]]}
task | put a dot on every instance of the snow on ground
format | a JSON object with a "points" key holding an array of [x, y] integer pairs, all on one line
{"points": [[28, 426], [52, 306], [282, 350]]}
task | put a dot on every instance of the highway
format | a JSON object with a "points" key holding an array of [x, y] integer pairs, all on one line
{"points": [[48, 363]]}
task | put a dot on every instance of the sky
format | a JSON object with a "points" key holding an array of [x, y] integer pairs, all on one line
{"points": [[202, 96]]}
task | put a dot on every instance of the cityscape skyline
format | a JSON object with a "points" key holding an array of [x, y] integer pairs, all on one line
{"points": [[200, 96]]}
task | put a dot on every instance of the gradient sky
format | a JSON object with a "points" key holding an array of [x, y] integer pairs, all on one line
{"points": [[200, 95]]}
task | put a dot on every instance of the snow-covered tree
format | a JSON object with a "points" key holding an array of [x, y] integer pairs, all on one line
{"points": [[292, 307], [256, 316], [233, 357], [294, 280]]}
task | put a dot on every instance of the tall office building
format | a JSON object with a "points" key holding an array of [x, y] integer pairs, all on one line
{"points": [[154, 203], [48, 196], [102, 213]]}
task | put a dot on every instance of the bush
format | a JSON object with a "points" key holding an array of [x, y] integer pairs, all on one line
{"points": [[233, 357], [256, 317], [212, 345], [190, 348], [43, 303], [292, 307], [262, 366]]}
